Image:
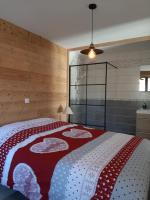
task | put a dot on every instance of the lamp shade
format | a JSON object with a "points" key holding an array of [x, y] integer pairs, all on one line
{"points": [[68, 111], [90, 50]]}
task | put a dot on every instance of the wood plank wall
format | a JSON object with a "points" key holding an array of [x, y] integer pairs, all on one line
{"points": [[30, 66]]}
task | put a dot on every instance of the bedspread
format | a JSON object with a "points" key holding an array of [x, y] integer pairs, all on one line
{"points": [[62, 161]]}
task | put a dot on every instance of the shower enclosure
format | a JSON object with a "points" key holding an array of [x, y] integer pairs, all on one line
{"points": [[88, 94]]}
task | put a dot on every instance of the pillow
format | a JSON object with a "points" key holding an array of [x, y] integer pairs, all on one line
{"points": [[10, 129]]}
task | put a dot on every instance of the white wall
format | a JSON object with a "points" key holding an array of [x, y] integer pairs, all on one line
{"points": [[123, 83]]}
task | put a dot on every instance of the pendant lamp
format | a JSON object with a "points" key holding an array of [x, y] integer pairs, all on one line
{"points": [[92, 51]]}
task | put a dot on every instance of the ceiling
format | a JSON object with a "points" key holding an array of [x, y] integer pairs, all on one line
{"points": [[67, 22]]}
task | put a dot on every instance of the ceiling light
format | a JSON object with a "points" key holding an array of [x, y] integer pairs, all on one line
{"points": [[92, 51]]}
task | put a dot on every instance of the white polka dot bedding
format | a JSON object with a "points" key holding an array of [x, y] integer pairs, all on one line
{"points": [[53, 160]]}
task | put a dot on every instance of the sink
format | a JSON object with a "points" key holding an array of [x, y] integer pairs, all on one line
{"points": [[143, 111]]}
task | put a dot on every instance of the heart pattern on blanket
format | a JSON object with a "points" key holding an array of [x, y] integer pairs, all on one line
{"points": [[50, 145], [25, 181], [77, 133]]}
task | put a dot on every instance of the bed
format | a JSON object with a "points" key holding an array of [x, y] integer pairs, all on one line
{"points": [[48, 159]]}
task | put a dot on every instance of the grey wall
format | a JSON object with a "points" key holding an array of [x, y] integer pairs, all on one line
{"points": [[123, 97]]}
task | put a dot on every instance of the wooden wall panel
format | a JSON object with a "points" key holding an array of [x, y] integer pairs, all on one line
{"points": [[30, 66]]}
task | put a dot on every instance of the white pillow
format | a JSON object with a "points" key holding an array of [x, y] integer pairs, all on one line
{"points": [[9, 130]]}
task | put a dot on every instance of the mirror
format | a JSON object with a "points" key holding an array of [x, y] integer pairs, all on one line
{"points": [[144, 81]]}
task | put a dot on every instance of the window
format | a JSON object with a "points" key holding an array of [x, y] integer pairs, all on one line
{"points": [[148, 85], [144, 84]]}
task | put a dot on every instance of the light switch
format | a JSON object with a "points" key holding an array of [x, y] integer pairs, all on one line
{"points": [[26, 100]]}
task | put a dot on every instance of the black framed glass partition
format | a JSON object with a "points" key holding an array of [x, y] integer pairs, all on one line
{"points": [[88, 93]]}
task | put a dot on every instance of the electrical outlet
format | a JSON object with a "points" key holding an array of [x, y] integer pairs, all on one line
{"points": [[26, 100]]}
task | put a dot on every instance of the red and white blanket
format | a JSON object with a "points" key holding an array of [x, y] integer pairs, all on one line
{"points": [[64, 161]]}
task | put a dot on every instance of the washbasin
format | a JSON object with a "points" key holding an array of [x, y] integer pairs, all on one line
{"points": [[143, 111]]}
